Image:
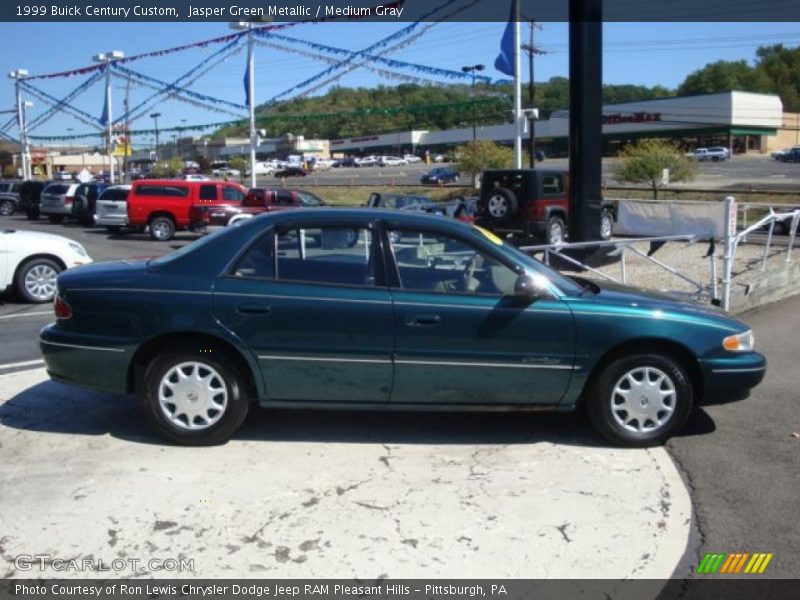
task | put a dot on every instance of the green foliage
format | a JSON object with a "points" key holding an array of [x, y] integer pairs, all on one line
{"points": [[475, 157], [9, 171], [240, 163], [167, 168], [645, 161]]}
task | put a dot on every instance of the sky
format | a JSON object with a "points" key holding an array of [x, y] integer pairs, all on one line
{"points": [[634, 53]]}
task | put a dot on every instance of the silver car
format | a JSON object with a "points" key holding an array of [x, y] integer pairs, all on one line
{"points": [[112, 208], [56, 200]]}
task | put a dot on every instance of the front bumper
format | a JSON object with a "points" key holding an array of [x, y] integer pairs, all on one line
{"points": [[87, 361], [729, 378]]}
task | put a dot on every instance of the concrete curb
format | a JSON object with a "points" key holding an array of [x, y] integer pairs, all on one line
{"points": [[311, 494]]}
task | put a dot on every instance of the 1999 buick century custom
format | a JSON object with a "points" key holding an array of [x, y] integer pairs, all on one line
{"points": [[374, 308]]}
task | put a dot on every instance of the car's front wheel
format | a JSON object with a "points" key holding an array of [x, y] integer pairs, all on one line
{"points": [[556, 230], [606, 225], [162, 229], [36, 280], [194, 399], [640, 400]]}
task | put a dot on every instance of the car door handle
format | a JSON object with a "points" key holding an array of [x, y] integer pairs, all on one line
{"points": [[423, 320], [253, 309]]}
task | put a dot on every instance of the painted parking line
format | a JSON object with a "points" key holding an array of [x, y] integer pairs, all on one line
{"points": [[18, 365], [28, 314]]}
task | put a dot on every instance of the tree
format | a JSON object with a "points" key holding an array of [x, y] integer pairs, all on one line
{"points": [[168, 168], [475, 157], [241, 164], [780, 66], [724, 76], [645, 161]]}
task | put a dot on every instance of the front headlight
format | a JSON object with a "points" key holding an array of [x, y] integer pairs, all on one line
{"points": [[78, 248], [741, 342]]}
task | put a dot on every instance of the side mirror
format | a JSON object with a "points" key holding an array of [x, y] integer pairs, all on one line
{"points": [[528, 287]]}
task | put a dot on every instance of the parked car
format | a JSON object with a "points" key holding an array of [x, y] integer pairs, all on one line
{"points": [[163, 205], [440, 175], [531, 202], [392, 161], [195, 177], [401, 202], [793, 155], [30, 261], [56, 200], [321, 164], [291, 172], [30, 193], [84, 204], [63, 176], [367, 161], [715, 154], [112, 208], [262, 169], [9, 197], [346, 162], [438, 158], [360, 308], [258, 200], [411, 158]]}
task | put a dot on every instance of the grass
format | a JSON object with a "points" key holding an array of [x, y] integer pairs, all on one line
{"points": [[357, 195]]}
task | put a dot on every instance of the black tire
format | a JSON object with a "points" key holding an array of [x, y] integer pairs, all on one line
{"points": [[162, 229], [55, 218], [173, 425], [556, 231], [35, 280], [502, 205], [7, 208], [606, 224], [32, 214], [611, 422]]}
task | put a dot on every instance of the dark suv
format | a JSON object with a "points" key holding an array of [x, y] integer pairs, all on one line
{"points": [[83, 206], [530, 202], [9, 197], [30, 193]]}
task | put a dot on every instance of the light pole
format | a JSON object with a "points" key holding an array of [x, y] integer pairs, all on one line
{"points": [[532, 50], [472, 69], [107, 58], [155, 116], [18, 75], [251, 88]]}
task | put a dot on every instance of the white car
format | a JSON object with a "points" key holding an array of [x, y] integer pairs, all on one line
{"points": [[392, 161], [30, 262], [195, 177], [112, 208], [412, 158], [227, 172], [367, 161], [262, 168]]}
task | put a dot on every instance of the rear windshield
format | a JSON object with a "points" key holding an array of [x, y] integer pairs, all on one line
{"points": [[56, 188], [162, 190], [114, 194]]}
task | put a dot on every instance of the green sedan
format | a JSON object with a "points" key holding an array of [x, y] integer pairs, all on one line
{"points": [[368, 309]]}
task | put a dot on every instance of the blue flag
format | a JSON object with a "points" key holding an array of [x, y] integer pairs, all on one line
{"points": [[505, 60], [247, 84]]}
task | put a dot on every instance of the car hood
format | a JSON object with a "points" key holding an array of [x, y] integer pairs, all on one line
{"points": [[32, 238], [615, 294]]}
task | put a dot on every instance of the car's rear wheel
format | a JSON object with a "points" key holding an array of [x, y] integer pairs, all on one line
{"points": [[162, 229], [606, 225], [7, 208], [194, 399], [556, 230], [502, 205], [36, 280], [640, 400]]}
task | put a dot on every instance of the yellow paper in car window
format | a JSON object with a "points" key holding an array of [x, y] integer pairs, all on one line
{"points": [[490, 236]]}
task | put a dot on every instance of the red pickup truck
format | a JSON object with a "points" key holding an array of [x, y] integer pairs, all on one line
{"points": [[165, 205], [257, 201]]}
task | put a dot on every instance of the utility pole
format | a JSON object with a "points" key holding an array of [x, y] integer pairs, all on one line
{"points": [[471, 69], [532, 50], [108, 58], [18, 75], [128, 144], [155, 116]]}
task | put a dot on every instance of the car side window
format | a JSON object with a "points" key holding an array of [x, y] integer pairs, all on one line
{"points": [[432, 262], [326, 255], [307, 199], [552, 184], [259, 260], [232, 193], [208, 192]]}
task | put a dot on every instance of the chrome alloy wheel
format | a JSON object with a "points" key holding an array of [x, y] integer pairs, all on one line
{"points": [[192, 395], [498, 206], [40, 282], [643, 400], [161, 230]]}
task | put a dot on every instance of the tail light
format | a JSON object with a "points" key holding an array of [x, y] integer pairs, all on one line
{"points": [[68, 200], [61, 308]]}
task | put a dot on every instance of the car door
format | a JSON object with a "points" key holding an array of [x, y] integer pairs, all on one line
{"points": [[462, 337], [306, 300]]}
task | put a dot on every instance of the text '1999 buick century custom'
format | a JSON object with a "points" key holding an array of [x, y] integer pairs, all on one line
{"points": [[381, 309]]}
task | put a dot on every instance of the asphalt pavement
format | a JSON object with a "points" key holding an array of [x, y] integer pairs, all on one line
{"points": [[741, 460]]}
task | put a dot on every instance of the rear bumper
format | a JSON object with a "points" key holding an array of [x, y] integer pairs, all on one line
{"points": [[74, 359], [111, 220], [729, 378], [55, 210]]}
